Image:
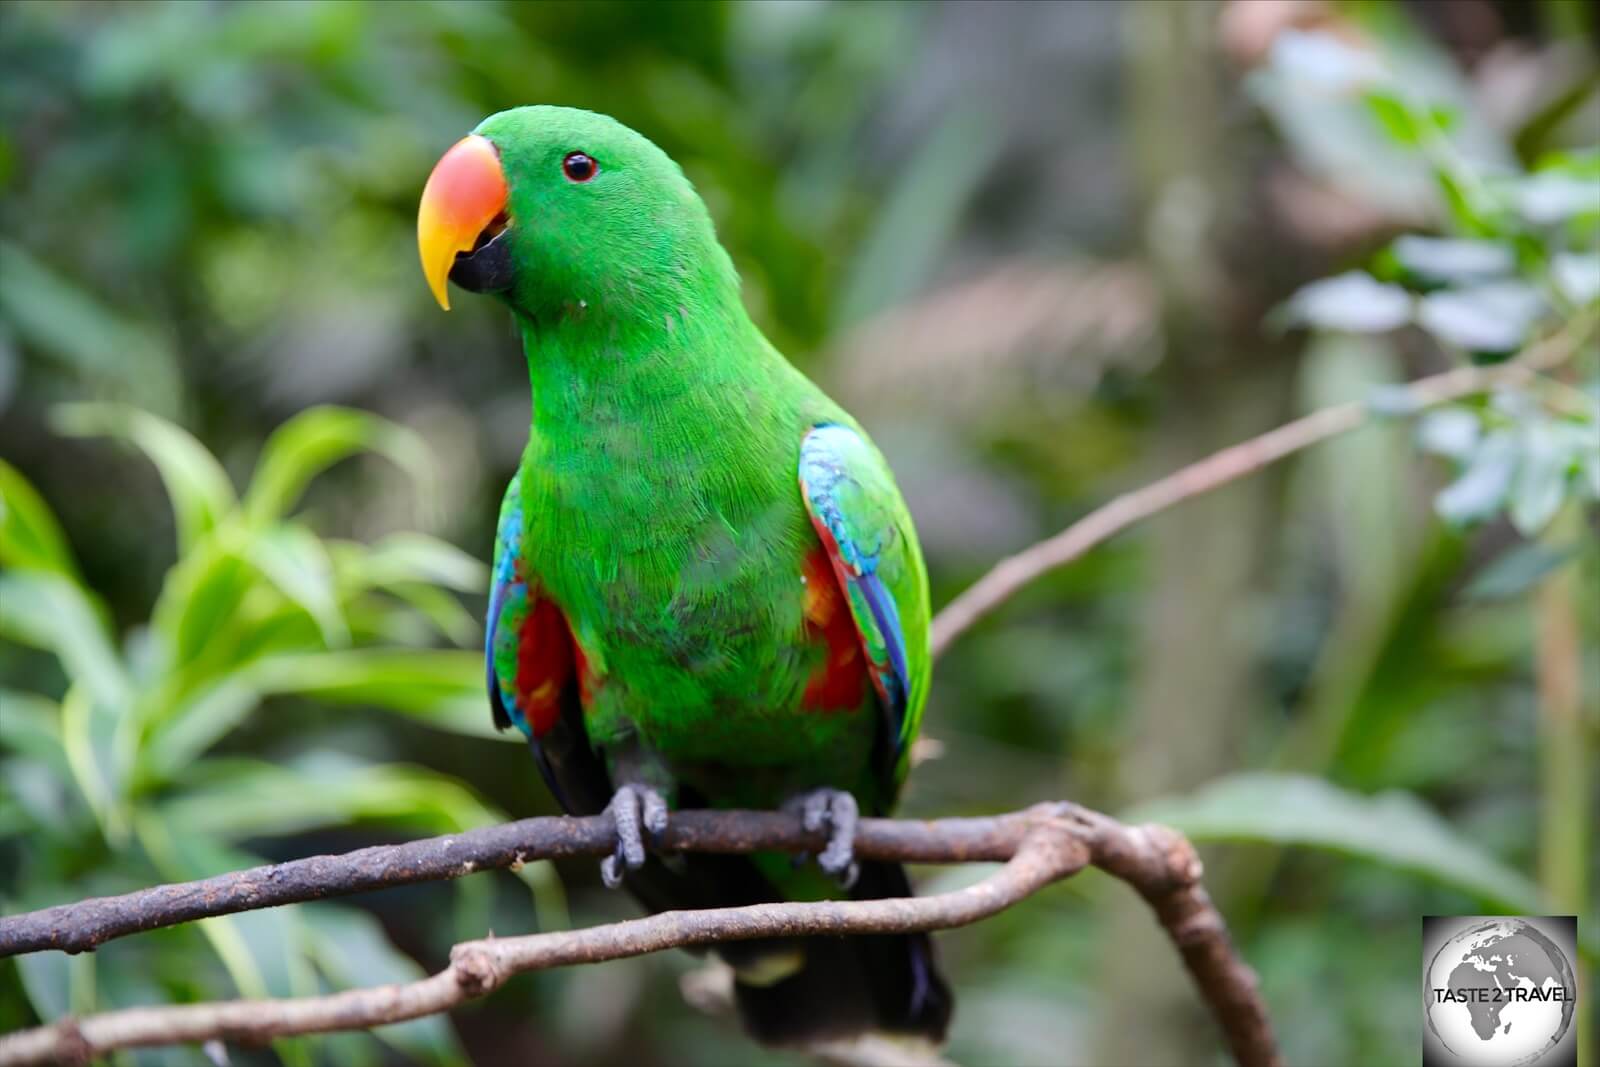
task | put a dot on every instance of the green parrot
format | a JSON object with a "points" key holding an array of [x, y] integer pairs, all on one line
{"points": [[707, 591]]}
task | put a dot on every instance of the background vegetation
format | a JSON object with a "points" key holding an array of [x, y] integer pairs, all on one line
{"points": [[1046, 252]]}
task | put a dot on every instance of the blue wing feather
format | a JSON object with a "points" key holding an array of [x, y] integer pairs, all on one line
{"points": [[851, 500]]}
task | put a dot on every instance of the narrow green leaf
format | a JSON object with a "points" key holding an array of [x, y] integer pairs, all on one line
{"points": [[200, 598], [1517, 571], [200, 491], [31, 726], [314, 440], [30, 537], [46, 979], [441, 609], [415, 557], [46, 610], [441, 688], [87, 731], [233, 799], [194, 726], [294, 560], [1393, 828]]}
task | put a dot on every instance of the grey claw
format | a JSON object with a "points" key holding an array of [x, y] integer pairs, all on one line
{"points": [[632, 806], [655, 814], [837, 812], [611, 872]]}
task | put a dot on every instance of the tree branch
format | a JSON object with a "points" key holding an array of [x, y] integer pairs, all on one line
{"points": [[1007, 577], [1039, 846]]}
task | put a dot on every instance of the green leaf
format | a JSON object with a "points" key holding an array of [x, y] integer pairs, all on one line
{"points": [[441, 609], [1397, 118], [30, 537], [1440, 260], [1517, 571], [1494, 317], [88, 736], [1354, 302], [314, 440], [1576, 275], [415, 557], [31, 725], [52, 612], [1551, 197], [1452, 432], [1541, 479], [1482, 487], [1392, 828], [200, 599], [46, 978], [441, 688], [200, 491], [294, 560], [194, 726], [233, 799]]}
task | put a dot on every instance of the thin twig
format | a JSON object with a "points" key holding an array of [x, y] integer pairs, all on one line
{"points": [[1007, 577], [1039, 846]]}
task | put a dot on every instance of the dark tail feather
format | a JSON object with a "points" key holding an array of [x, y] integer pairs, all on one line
{"points": [[847, 986]]}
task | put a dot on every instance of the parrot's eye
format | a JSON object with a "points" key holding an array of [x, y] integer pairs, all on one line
{"points": [[579, 167]]}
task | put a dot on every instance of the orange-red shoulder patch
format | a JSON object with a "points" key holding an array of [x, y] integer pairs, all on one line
{"points": [[544, 665], [839, 683]]}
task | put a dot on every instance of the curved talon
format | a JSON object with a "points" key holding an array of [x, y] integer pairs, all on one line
{"points": [[611, 871], [836, 812], [654, 815], [632, 807]]}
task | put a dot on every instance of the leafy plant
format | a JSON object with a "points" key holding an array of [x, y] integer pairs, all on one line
{"points": [[117, 776], [1519, 258]]}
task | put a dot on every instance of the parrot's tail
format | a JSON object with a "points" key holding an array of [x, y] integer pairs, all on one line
{"points": [[802, 991]]}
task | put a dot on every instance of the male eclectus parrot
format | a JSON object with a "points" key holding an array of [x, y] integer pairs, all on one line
{"points": [[707, 590]]}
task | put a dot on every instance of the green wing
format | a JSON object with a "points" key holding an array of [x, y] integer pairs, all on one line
{"points": [[867, 533]]}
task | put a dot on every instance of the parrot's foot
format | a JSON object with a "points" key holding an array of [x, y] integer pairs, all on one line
{"points": [[835, 811], [632, 807]]}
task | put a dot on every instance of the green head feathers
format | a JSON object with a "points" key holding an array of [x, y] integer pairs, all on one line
{"points": [[590, 216]]}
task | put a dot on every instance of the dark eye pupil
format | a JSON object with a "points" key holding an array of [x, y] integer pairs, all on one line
{"points": [[579, 167]]}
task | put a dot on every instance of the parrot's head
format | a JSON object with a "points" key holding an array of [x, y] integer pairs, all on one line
{"points": [[559, 209]]}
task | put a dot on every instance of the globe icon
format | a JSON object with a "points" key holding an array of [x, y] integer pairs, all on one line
{"points": [[1499, 993]]}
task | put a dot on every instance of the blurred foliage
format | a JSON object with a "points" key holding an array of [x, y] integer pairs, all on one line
{"points": [[941, 213], [118, 784]]}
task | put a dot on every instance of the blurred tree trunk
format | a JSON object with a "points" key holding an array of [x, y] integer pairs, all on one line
{"points": [[1197, 690]]}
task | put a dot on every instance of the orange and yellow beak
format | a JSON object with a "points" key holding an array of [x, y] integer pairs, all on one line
{"points": [[465, 193]]}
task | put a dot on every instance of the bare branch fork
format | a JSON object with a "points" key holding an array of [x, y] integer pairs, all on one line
{"points": [[1038, 846]]}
